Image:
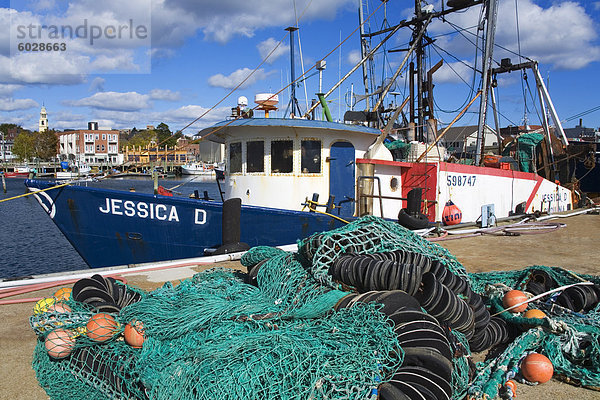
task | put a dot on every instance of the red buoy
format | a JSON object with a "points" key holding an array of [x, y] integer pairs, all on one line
{"points": [[134, 334], [101, 327], [537, 368], [451, 214], [514, 297]]}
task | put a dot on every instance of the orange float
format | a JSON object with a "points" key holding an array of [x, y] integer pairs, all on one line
{"points": [[60, 308], [59, 343], [451, 214], [534, 313], [101, 327], [514, 297], [537, 368], [512, 386], [134, 334], [63, 293]]}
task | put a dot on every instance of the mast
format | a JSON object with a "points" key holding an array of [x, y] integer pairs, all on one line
{"points": [[491, 14], [293, 104], [419, 73], [364, 50]]}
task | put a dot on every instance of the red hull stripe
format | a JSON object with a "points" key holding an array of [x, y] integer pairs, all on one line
{"points": [[459, 168], [533, 193]]}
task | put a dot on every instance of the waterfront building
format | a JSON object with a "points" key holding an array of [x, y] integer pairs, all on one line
{"points": [[92, 145]]}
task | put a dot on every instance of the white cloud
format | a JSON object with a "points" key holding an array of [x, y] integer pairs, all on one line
{"points": [[8, 89], [43, 5], [52, 68], [271, 45], [128, 101], [122, 106], [562, 35], [353, 57], [235, 78], [221, 20], [454, 73], [164, 94], [176, 118], [17, 104], [97, 85]]}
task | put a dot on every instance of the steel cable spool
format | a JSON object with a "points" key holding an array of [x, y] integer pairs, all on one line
{"points": [[430, 339], [387, 391], [418, 384], [396, 300], [385, 270], [423, 378], [443, 306], [429, 290], [439, 381], [407, 315], [429, 358], [410, 390], [415, 324]]}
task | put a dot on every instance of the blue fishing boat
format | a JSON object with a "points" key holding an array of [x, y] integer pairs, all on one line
{"points": [[291, 177]]}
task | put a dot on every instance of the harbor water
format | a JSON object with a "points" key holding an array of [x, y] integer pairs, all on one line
{"points": [[30, 243]]}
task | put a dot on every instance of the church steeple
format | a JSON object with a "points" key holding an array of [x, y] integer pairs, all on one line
{"points": [[43, 125]]}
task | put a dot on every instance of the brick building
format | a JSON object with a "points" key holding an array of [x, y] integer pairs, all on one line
{"points": [[92, 146]]}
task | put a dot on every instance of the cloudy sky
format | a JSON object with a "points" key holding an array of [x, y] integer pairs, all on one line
{"points": [[151, 61]]}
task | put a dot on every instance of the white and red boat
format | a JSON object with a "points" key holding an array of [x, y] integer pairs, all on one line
{"points": [[19, 172]]}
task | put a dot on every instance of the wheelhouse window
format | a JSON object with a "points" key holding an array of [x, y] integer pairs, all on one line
{"points": [[255, 156], [311, 156], [235, 157], [282, 156]]}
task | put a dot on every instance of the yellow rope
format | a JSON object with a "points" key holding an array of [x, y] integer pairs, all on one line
{"points": [[37, 191], [310, 203]]}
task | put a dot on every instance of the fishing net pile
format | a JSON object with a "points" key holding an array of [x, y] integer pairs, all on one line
{"points": [[369, 310]]}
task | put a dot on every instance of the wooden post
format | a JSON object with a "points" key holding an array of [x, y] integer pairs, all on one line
{"points": [[155, 178]]}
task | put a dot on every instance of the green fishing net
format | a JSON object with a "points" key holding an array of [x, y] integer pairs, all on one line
{"points": [[216, 336]]}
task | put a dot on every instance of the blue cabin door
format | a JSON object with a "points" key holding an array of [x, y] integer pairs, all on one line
{"points": [[341, 177]]}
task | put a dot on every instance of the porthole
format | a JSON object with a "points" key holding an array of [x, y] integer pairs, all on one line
{"points": [[394, 184]]}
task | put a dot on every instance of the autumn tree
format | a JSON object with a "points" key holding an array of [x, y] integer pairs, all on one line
{"points": [[24, 145], [46, 145]]}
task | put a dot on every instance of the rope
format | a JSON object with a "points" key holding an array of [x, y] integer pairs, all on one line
{"points": [[36, 191]]}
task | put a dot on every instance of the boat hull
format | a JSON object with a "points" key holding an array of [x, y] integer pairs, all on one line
{"points": [[16, 174], [109, 227]]}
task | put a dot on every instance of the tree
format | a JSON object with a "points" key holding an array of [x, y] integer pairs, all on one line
{"points": [[164, 136], [24, 146], [46, 145]]}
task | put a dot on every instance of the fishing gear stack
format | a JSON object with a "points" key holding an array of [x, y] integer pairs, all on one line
{"points": [[370, 310]]}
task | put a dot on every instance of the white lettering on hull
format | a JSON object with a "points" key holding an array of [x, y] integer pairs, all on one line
{"points": [[144, 210], [200, 217]]}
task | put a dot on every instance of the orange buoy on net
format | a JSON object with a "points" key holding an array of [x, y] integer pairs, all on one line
{"points": [[101, 327], [534, 313], [63, 293], [451, 214], [512, 386], [134, 334], [514, 297], [59, 343], [537, 368], [60, 308]]}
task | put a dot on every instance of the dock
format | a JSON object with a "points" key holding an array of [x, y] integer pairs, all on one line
{"points": [[574, 247]]}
